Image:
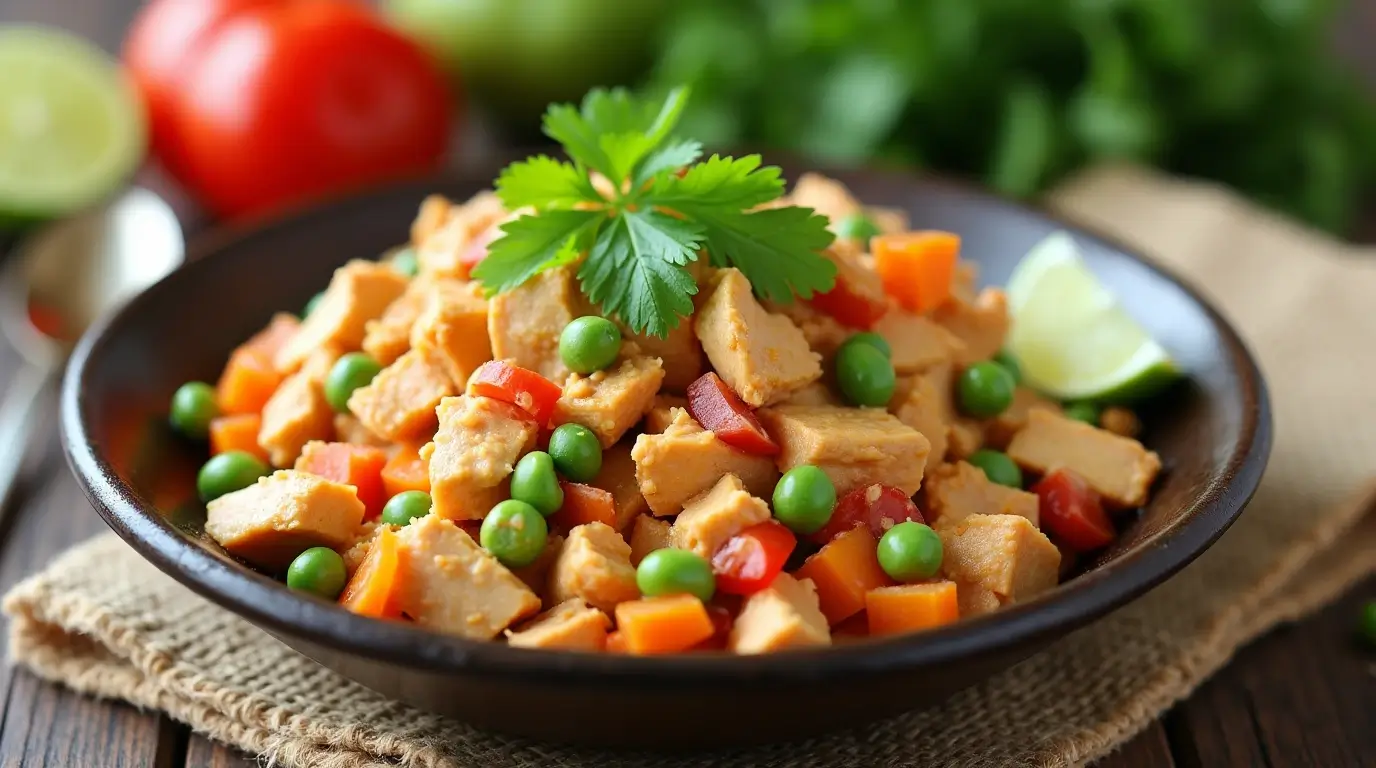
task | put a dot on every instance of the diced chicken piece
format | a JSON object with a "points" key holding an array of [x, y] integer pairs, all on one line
{"points": [[816, 393], [594, 565], [399, 404], [661, 413], [617, 477], [956, 491], [999, 431], [685, 460], [783, 615], [348, 429], [762, 357], [1119, 468], [359, 291], [709, 519], [823, 332], [453, 327], [680, 353], [826, 196], [966, 437], [612, 401], [648, 533], [536, 574], [918, 404], [891, 221], [363, 541], [434, 212], [478, 444], [965, 280], [1004, 554], [975, 599], [524, 324], [569, 626], [916, 341], [1120, 421], [389, 336], [442, 252], [981, 324], [855, 447], [296, 414], [272, 521], [455, 586]]}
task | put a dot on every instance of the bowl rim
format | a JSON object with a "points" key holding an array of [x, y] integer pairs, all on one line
{"points": [[268, 604]]}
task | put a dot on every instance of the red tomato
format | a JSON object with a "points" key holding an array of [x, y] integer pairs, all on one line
{"points": [[749, 561], [848, 307], [878, 506], [716, 407], [260, 103], [523, 388], [476, 250], [1072, 512]]}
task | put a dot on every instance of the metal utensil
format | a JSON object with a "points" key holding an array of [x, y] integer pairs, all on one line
{"points": [[71, 273]]}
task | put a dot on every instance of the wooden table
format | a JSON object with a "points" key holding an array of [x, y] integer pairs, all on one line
{"points": [[1301, 696]]}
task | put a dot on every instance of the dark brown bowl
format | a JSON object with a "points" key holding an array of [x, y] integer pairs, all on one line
{"points": [[1213, 432]]}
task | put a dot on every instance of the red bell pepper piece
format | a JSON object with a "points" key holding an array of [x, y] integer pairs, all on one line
{"points": [[849, 307], [718, 408], [749, 561], [526, 389], [1072, 512]]}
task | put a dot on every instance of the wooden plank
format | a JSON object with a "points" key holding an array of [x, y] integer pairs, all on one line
{"points": [[204, 753], [1149, 749]]}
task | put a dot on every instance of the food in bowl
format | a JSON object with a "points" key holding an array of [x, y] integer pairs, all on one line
{"points": [[632, 417]]}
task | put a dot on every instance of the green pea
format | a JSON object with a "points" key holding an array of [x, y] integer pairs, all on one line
{"points": [[193, 406], [1010, 364], [576, 451], [405, 262], [318, 571], [589, 344], [514, 532], [1367, 625], [1083, 411], [312, 305], [804, 499], [406, 506], [910, 551], [985, 390], [534, 482], [228, 472], [350, 372], [675, 572], [874, 340], [857, 226], [997, 467], [864, 375]]}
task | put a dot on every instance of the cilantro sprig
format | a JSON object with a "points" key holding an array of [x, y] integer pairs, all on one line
{"points": [[654, 209]]}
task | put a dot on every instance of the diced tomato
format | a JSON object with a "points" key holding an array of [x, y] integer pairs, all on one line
{"points": [[749, 561], [849, 307], [716, 407], [513, 384], [583, 504], [1072, 512], [476, 250], [880, 507]]}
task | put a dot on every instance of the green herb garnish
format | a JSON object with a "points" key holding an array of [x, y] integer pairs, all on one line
{"points": [[661, 207]]}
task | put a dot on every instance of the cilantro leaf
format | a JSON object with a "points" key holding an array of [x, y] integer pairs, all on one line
{"points": [[635, 270], [531, 244], [616, 111], [544, 182], [721, 182], [581, 141], [776, 249], [675, 154]]}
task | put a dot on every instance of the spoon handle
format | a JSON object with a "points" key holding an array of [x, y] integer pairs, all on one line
{"points": [[19, 419]]}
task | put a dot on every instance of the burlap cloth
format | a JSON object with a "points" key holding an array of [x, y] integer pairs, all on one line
{"points": [[101, 621]]}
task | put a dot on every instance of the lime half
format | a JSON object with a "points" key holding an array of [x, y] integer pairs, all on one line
{"points": [[1070, 335], [71, 126]]}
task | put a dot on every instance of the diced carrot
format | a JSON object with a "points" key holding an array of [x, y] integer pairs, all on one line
{"points": [[356, 465], [406, 471], [237, 432], [375, 586], [583, 504], [843, 571], [917, 267], [911, 607], [249, 379], [278, 332], [513, 384], [616, 643], [663, 624]]}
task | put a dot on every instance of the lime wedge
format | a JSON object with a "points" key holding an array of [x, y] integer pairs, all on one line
{"points": [[1070, 335], [71, 126]]}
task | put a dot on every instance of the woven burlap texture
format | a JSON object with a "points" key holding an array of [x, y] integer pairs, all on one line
{"points": [[102, 621]]}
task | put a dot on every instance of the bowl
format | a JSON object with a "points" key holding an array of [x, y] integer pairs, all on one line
{"points": [[1212, 431]]}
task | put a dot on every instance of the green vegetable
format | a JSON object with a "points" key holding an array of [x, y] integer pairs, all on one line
{"points": [[534, 482], [997, 467], [1010, 364], [641, 235], [589, 344], [312, 305], [865, 375], [857, 226], [675, 572], [874, 340], [576, 451], [514, 532], [228, 472], [318, 571], [350, 372], [910, 551], [1367, 625], [804, 499], [1083, 411], [193, 406], [406, 506], [405, 262], [985, 390]]}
